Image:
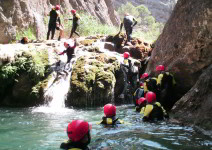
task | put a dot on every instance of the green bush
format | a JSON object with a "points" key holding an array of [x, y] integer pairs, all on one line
{"points": [[89, 25], [29, 33], [32, 63]]}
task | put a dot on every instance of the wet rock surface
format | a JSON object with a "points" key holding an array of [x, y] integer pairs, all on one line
{"points": [[184, 48]]}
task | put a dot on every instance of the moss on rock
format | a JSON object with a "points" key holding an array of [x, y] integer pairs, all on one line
{"points": [[92, 81], [87, 42], [22, 77]]}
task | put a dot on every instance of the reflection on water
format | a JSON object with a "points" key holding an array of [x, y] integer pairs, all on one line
{"points": [[44, 128]]}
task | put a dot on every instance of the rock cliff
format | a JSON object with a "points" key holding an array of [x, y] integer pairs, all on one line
{"points": [[22, 14], [160, 9], [184, 48]]}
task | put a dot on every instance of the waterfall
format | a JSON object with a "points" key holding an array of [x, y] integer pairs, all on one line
{"points": [[56, 94], [57, 90]]}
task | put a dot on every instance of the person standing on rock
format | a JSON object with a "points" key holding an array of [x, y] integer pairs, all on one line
{"points": [[129, 22], [75, 23], [54, 23]]}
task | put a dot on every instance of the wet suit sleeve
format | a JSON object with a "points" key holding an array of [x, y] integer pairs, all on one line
{"points": [[145, 87], [135, 22], [75, 44], [148, 110], [160, 77], [164, 111], [62, 52], [65, 144]]}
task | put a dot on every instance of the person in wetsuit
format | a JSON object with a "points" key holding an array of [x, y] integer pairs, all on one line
{"points": [[166, 84], [78, 132], [129, 22], [150, 84], [141, 103], [75, 23], [69, 50], [54, 23], [109, 117], [153, 110]]}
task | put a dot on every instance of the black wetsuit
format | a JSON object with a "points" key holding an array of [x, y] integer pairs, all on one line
{"points": [[151, 84], [71, 145], [167, 85], [69, 52], [129, 22], [54, 18], [154, 112], [75, 19]]}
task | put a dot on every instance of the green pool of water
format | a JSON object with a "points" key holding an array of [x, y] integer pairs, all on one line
{"points": [[43, 128]]}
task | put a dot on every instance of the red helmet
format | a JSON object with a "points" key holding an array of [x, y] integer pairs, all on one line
{"points": [[141, 100], [136, 102], [109, 110], [150, 97], [126, 55], [66, 43], [145, 75], [57, 7], [77, 129], [73, 11], [141, 84], [160, 68]]}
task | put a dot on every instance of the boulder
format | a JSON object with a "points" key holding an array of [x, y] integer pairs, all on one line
{"points": [[184, 47], [110, 46], [137, 48], [93, 81], [196, 105]]}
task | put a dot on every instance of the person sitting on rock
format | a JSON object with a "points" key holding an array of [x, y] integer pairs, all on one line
{"points": [[78, 132], [153, 110], [75, 23], [141, 103], [129, 22], [109, 117], [166, 84], [55, 23]]}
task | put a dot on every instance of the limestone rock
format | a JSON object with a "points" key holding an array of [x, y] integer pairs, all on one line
{"points": [[93, 81], [160, 9], [195, 106], [184, 46], [19, 15]]}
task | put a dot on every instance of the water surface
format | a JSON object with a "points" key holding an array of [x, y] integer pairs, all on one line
{"points": [[43, 128]]}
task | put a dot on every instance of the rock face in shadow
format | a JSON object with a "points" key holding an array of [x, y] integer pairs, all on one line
{"points": [[184, 48], [20, 15], [195, 107]]}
